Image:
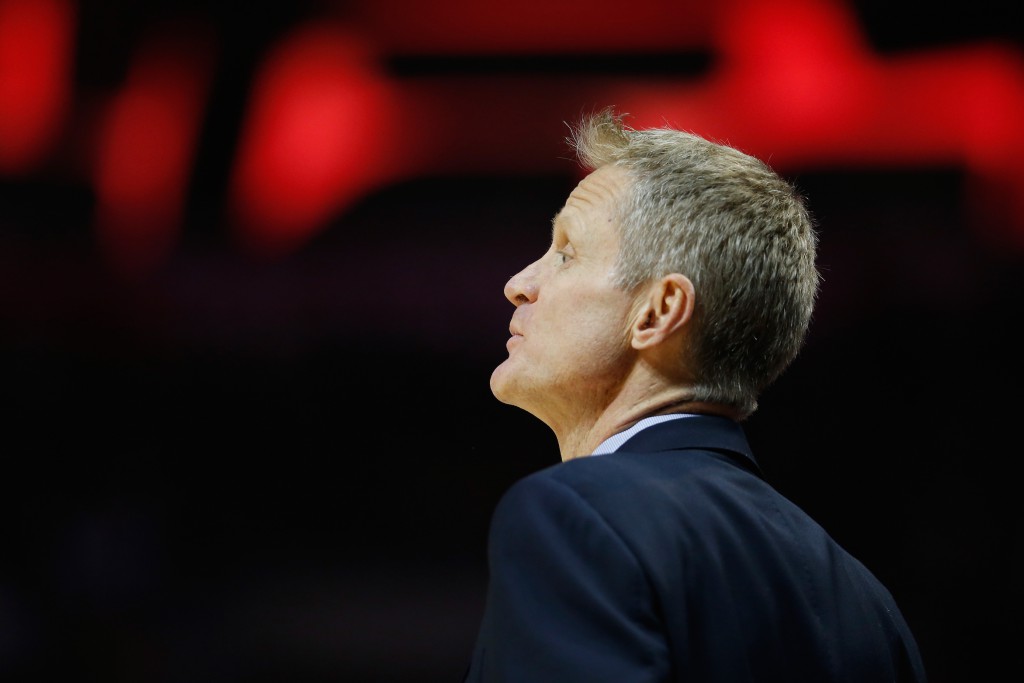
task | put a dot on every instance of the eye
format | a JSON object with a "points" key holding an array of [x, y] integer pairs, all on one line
{"points": [[565, 254]]}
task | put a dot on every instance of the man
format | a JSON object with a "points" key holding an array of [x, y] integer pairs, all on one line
{"points": [[679, 283]]}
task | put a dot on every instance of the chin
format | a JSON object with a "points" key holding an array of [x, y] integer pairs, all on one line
{"points": [[497, 382], [501, 383]]}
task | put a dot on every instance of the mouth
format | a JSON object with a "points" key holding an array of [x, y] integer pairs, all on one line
{"points": [[514, 336]]}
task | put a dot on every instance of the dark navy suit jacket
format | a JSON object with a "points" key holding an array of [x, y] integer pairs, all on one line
{"points": [[673, 560]]}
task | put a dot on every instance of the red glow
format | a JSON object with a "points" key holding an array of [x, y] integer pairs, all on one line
{"points": [[317, 137], [795, 71], [796, 86], [791, 81], [145, 154], [36, 39]]}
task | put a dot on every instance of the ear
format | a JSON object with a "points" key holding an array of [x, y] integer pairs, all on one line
{"points": [[665, 308]]}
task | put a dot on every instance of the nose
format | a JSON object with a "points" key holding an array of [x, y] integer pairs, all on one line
{"points": [[521, 288]]}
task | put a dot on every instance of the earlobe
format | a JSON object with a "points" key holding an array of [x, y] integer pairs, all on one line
{"points": [[666, 308]]}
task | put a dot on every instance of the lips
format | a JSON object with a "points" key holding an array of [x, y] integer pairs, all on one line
{"points": [[514, 336]]}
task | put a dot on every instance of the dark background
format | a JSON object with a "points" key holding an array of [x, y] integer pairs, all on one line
{"points": [[249, 469]]}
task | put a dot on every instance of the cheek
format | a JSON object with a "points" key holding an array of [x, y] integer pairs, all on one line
{"points": [[595, 330]]}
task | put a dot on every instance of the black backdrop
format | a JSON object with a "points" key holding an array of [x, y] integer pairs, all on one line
{"points": [[251, 471]]}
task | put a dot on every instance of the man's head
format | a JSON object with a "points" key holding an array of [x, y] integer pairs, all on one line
{"points": [[677, 264], [735, 228]]}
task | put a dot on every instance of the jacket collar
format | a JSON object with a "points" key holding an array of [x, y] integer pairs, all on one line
{"points": [[704, 432]]}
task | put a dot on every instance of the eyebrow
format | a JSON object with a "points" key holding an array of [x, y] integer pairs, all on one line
{"points": [[554, 221]]}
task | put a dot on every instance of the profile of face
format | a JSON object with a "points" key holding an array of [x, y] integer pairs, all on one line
{"points": [[569, 349]]}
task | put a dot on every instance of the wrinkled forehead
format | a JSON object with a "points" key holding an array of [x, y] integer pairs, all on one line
{"points": [[606, 184], [599, 194]]}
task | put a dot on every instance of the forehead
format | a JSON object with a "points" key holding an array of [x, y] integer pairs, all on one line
{"points": [[595, 198]]}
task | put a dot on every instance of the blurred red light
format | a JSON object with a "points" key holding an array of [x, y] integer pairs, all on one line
{"points": [[145, 155], [316, 137], [36, 45]]}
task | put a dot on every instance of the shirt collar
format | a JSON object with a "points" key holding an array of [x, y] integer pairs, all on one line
{"points": [[612, 443]]}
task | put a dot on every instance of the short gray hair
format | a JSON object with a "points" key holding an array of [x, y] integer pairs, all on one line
{"points": [[739, 231]]}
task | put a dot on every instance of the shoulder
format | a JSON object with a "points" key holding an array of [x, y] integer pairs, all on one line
{"points": [[610, 478], [623, 490], [585, 490], [689, 498], [556, 516], [584, 481]]}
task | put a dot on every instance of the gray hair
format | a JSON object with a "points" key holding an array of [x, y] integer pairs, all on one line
{"points": [[724, 219]]}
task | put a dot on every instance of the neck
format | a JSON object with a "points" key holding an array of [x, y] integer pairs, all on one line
{"points": [[582, 441]]}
